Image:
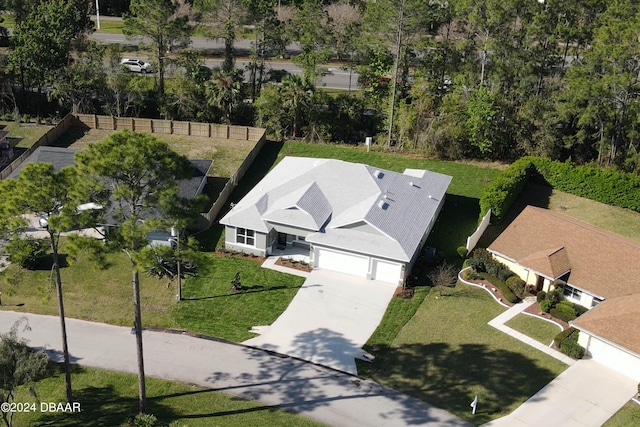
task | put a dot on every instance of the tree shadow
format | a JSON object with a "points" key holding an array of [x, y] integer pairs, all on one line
{"points": [[45, 263], [245, 290], [449, 377]]}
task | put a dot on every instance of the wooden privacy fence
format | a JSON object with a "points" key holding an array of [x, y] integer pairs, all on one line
{"points": [[171, 127], [48, 138]]}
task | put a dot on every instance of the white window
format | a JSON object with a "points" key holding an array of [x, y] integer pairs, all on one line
{"points": [[595, 302], [571, 292], [246, 237]]}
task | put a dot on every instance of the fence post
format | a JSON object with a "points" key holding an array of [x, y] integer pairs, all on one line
{"points": [[189, 128], [209, 130], [247, 134], [113, 123], [95, 121], [228, 131], [133, 125]]}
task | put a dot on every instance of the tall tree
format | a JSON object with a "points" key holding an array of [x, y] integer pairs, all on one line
{"points": [[42, 41], [224, 92], [220, 18], [42, 191], [165, 23], [133, 175], [309, 26]]}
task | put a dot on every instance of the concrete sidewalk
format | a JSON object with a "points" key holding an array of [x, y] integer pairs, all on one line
{"points": [[306, 389], [498, 322]]}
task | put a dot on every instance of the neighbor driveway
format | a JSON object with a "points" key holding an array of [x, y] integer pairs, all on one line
{"points": [[585, 395], [328, 321]]}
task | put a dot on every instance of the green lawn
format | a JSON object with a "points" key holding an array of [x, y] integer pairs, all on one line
{"points": [[538, 329], [23, 135], [628, 415], [211, 308], [110, 398], [104, 295], [446, 354]]}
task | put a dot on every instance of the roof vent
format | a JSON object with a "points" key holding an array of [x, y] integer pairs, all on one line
{"points": [[378, 174], [383, 205], [430, 196]]}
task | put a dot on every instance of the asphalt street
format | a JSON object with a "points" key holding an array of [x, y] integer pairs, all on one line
{"points": [[312, 391]]}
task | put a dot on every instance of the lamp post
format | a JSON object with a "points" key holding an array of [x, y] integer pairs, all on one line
{"points": [[97, 15], [175, 234]]}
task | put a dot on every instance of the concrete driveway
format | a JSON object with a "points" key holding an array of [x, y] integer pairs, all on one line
{"points": [[585, 395], [328, 321]]}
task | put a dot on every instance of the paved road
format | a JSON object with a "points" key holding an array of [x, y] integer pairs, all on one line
{"points": [[338, 78], [309, 390]]}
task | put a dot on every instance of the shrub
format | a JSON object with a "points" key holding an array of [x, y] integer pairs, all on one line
{"points": [[572, 349], [493, 268], [504, 274], [545, 305], [475, 264], [569, 333], [517, 285], [26, 252], [542, 295], [560, 312], [504, 289], [462, 252]]}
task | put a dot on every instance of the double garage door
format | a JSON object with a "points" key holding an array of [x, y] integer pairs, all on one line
{"points": [[614, 358], [358, 265]]}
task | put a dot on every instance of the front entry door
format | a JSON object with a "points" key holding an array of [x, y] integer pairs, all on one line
{"points": [[282, 240]]}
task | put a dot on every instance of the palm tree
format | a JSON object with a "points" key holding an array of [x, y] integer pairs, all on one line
{"points": [[297, 99], [224, 91]]}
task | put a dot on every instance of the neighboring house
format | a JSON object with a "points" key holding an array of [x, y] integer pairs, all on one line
{"points": [[187, 188], [598, 269], [353, 218]]}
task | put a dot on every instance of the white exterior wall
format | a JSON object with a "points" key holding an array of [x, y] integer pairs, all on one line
{"points": [[611, 356], [528, 276]]}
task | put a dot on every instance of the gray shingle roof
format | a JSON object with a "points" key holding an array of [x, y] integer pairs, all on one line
{"points": [[62, 157], [330, 196]]}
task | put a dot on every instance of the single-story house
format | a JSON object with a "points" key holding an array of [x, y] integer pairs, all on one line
{"points": [[61, 157], [598, 269], [353, 218]]}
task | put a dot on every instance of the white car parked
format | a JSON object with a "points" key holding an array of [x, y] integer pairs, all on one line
{"points": [[136, 65]]}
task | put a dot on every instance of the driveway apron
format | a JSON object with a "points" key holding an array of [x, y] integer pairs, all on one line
{"points": [[585, 395], [328, 321]]}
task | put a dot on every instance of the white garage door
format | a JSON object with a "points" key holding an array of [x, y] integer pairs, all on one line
{"points": [[386, 271], [343, 262], [614, 358]]}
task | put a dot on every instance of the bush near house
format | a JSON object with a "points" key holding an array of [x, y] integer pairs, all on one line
{"points": [[541, 296], [567, 342], [504, 289], [609, 186], [517, 285], [487, 268]]}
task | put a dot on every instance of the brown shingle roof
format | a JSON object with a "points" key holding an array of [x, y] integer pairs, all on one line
{"points": [[616, 319], [550, 262], [602, 263]]}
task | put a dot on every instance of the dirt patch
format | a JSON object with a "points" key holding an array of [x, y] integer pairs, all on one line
{"points": [[255, 258]]}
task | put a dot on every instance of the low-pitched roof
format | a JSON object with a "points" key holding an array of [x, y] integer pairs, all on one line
{"points": [[61, 157], [602, 263], [617, 320], [334, 198]]}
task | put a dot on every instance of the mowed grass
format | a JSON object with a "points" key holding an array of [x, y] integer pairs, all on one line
{"points": [[227, 154], [105, 295], [23, 135], [628, 415], [110, 398], [211, 308], [446, 354], [538, 329]]}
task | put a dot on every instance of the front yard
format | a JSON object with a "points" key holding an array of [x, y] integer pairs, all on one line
{"points": [[104, 295], [446, 354]]}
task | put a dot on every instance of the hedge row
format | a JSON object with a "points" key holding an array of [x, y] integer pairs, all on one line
{"points": [[504, 289], [500, 193], [609, 186]]}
